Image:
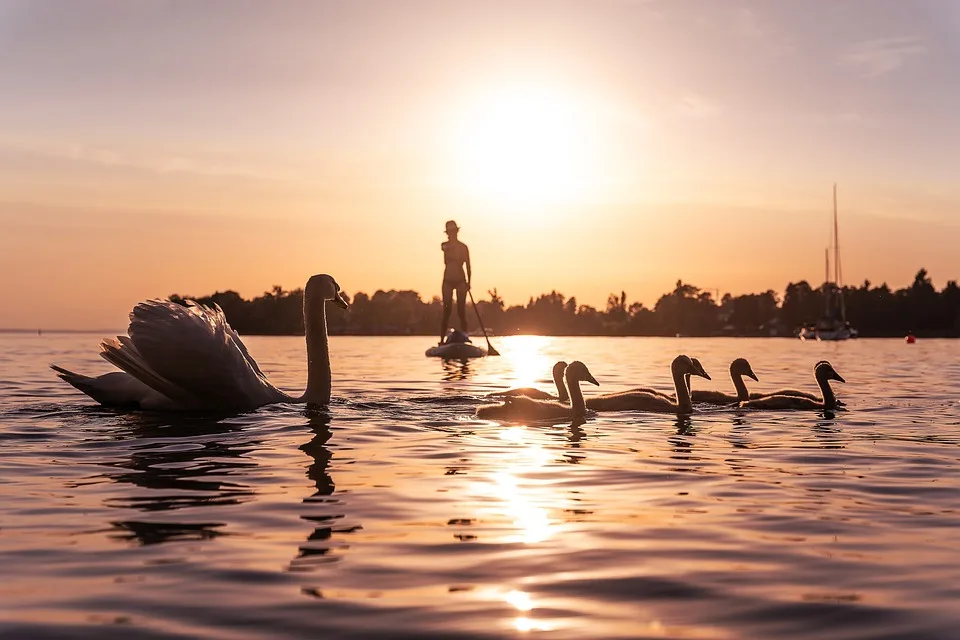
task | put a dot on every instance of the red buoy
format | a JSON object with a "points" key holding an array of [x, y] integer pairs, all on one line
{"points": [[910, 338]]}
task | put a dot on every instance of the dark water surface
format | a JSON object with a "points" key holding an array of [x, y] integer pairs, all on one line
{"points": [[397, 514]]}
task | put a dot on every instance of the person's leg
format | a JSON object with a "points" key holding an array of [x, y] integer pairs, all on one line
{"points": [[447, 290], [462, 305]]}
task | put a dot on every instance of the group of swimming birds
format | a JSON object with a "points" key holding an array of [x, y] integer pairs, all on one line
{"points": [[187, 358], [533, 404]]}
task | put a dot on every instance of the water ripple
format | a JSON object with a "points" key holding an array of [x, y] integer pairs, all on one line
{"points": [[395, 513]]}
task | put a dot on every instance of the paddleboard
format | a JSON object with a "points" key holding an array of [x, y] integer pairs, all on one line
{"points": [[457, 346], [456, 351]]}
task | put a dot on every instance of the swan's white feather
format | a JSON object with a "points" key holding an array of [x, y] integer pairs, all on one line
{"points": [[114, 389], [190, 354]]}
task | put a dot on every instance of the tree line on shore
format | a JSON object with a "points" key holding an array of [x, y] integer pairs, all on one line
{"points": [[876, 311]]}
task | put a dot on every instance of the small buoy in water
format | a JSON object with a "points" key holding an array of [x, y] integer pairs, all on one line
{"points": [[910, 338]]}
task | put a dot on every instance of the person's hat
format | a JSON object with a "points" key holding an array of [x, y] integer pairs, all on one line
{"points": [[452, 226]]}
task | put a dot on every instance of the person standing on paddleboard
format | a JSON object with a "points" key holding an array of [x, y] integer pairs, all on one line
{"points": [[455, 256]]}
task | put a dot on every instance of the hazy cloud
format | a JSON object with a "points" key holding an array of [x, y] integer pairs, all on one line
{"points": [[873, 58], [696, 106], [154, 163]]}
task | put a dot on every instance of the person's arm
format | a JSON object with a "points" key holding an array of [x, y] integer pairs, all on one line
{"points": [[466, 250]]}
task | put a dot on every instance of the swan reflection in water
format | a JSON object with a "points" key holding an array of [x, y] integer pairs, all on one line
{"points": [[180, 464], [681, 443], [739, 434], [324, 510], [828, 434], [181, 461], [573, 433]]}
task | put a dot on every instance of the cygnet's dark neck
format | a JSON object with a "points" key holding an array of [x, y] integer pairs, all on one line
{"points": [[576, 396], [558, 379], [739, 384], [680, 385], [826, 391]]}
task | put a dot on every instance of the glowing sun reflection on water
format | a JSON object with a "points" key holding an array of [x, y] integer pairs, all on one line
{"points": [[510, 496], [521, 601], [526, 624], [527, 360]]}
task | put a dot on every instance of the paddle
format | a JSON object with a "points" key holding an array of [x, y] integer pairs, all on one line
{"points": [[490, 350]]}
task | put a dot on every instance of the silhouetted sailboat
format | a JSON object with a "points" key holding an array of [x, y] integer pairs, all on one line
{"points": [[833, 324]]}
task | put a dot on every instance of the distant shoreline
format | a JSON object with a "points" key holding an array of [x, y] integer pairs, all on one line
{"points": [[113, 332], [874, 311]]}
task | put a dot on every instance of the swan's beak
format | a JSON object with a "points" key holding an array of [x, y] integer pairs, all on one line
{"points": [[589, 378], [752, 376], [698, 369], [836, 376], [341, 301]]}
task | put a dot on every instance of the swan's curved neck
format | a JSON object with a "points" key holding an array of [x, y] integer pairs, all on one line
{"points": [[318, 354], [576, 396], [562, 394], [680, 382], [740, 386], [829, 399]]}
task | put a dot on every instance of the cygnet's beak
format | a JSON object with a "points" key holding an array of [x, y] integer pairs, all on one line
{"points": [[341, 300], [589, 378]]}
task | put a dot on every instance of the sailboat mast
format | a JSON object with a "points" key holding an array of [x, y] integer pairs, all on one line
{"points": [[836, 255], [836, 239], [826, 281]]}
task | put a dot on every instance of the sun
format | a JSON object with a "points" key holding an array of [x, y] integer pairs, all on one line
{"points": [[525, 146]]}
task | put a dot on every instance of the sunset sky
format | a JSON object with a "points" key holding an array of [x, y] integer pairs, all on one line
{"points": [[158, 147]]}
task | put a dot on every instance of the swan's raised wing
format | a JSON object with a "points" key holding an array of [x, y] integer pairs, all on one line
{"points": [[121, 353], [195, 349]]}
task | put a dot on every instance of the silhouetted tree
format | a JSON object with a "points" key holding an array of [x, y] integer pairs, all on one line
{"points": [[689, 310]]}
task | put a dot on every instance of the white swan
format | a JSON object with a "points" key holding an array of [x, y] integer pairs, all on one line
{"points": [[178, 358], [824, 372], [523, 408], [532, 392], [640, 401]]}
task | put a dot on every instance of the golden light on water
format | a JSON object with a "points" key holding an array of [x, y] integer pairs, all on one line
{"points": [[526, 146], [527, 361], [528, 624], [531, 520], [516, 501], [513, 435], [520, 600]]}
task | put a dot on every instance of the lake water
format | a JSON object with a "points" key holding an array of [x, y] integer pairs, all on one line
{"points": [[397, 514]]}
